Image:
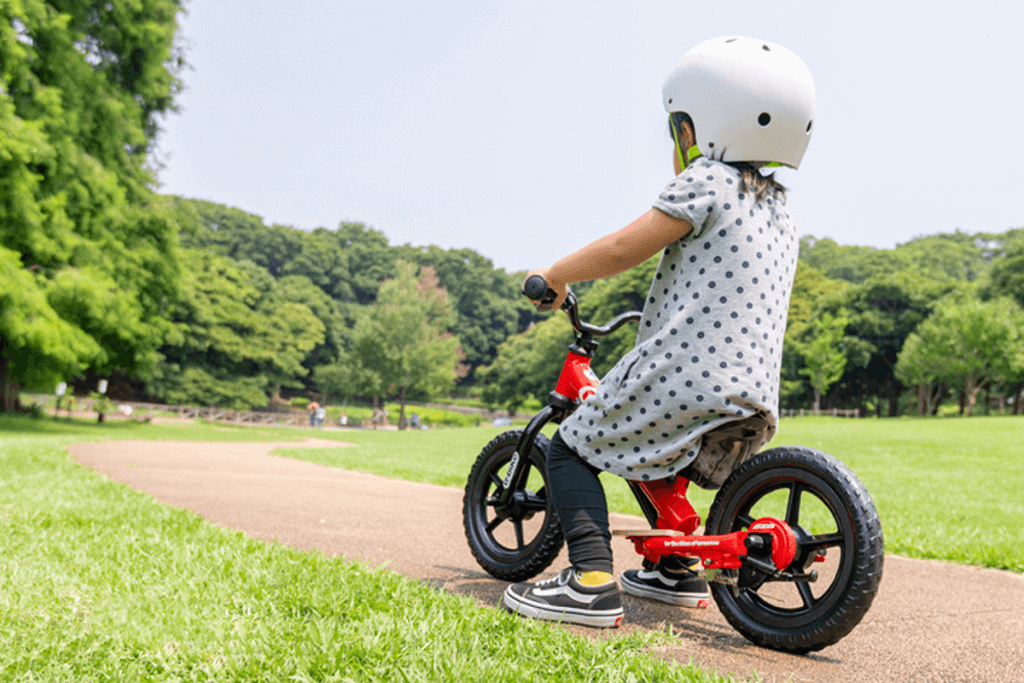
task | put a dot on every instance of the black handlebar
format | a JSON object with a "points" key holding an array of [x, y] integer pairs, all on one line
{"points": [[536, 289]]}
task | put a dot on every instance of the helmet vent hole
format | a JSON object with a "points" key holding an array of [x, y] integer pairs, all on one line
{"points": [[711, 144], [670, 102], [764, 119], [809, 124], [731, 40], [766, 48]]}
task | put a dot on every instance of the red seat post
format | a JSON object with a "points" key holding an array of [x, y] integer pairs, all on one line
{"points": [[669, 499]]}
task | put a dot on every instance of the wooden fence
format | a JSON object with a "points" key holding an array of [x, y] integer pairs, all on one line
{"points": [[236, 417], [832, 412]]}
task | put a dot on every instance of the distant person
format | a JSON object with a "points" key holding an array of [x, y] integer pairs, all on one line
{"points": [[343, 420], [312, 408], [414, 421], [320, 414]]}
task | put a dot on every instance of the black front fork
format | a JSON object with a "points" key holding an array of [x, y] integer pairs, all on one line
{"points": [[517, 467]]}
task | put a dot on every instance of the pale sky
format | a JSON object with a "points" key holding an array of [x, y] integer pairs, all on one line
{"points": [[524, 130]]}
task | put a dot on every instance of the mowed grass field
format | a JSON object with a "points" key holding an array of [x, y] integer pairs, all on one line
{"points": [[950, 489], [101, 583]]}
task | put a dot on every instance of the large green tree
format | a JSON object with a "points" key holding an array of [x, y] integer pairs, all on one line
{"points": [[823, 354], [82, 86], [403, 345], [972, 344]]}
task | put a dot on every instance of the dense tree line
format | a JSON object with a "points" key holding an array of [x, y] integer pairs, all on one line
{"points": [[890, 331], [336, 277]]}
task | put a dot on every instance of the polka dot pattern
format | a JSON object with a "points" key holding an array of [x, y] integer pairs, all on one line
{"points": [[709, 346]]}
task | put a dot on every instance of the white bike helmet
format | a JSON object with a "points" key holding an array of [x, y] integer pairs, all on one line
{"points": [[749, 100]]}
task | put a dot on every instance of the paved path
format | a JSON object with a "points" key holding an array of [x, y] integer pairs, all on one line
{"points": [[931, 622]]}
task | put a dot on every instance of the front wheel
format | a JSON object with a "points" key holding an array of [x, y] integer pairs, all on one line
{"points": [[519, 541], [838, 535]]}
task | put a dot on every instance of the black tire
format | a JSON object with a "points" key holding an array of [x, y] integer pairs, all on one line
{"points": [[828, 494], [502, 544]]}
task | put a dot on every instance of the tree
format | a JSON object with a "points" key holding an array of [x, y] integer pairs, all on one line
{"points": [[37, 347], [82, 85], [403, 343], [968, 342], [1007, 275], [527, 365], [484, 298], [882, 313], [924, 368], [234, 337], [811, 290], [823, 353]]}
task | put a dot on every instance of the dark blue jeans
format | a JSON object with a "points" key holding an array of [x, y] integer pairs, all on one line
{"points": [[582, 507]]}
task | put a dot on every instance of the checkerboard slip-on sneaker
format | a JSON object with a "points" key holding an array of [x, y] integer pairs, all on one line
{"points": [[685, 589], [564, 598]]}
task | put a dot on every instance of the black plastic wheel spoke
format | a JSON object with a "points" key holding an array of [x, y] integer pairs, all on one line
{"points": [[535, 502], [806, 595], [793, 505], [823, 541], [493, 524], [496, 480], [519, 534], [744, 521]]}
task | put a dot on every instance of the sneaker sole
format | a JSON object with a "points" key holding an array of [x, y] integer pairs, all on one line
{"points": [[692, 600], [602, 619]]}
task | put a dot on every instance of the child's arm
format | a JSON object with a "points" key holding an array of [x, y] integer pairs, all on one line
{"points": [[614, 253]]}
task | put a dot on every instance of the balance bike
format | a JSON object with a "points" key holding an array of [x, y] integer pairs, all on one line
{"points": [[792, 547]]}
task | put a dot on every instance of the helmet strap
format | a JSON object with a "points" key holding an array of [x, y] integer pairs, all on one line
{"points": [[691, 154]]}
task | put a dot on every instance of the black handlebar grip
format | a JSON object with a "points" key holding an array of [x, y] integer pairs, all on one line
{"points": [[536, 288]]}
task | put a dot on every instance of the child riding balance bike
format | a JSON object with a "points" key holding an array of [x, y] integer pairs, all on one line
{"points": [[792, 546]]}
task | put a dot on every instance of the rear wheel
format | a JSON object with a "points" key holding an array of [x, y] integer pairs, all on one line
{"points": [[518, 541], [834, 521]]}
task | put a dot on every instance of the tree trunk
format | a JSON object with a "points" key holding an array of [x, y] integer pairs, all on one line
{"points": [[894, 399], [401, 409], [963, 401], [1016, 398], [8, 388], [817, 401], [972, 397]]}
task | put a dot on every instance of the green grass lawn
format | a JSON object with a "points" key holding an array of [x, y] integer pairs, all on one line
{"points": [[98, 582], [948, 489], [101, 583]]}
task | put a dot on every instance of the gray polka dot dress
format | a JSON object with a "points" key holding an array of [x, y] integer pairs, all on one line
{"points": [[708, 351]]}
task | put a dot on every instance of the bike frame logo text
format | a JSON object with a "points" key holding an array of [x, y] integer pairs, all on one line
{"points": [[512, 465]]}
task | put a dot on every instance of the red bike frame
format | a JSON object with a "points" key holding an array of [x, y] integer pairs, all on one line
{"points": [[676, 519]]}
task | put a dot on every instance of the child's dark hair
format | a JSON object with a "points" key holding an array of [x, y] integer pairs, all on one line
{"points": [[751, 179]]}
